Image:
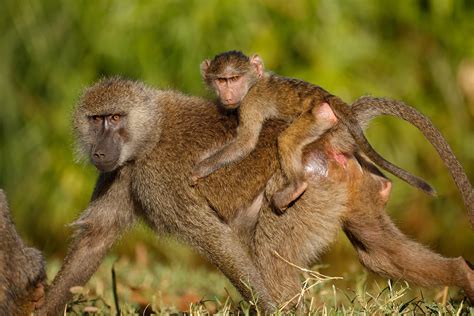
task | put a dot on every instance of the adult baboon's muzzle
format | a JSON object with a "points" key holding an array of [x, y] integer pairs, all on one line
{"points": [[105, 155]]}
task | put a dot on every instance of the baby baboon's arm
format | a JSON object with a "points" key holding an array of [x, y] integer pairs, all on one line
{"points": [[247, 136]]}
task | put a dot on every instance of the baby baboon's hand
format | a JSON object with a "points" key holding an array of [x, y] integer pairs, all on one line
{"points": [[199, 171]]}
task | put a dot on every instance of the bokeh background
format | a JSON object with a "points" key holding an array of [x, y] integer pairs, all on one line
{"points": [[421, 52]]}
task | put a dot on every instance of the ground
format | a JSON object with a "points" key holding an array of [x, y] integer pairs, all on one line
{"points": [[141, 285]]}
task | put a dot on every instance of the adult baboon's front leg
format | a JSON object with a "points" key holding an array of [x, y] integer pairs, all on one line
{"points": [[108, 214]]}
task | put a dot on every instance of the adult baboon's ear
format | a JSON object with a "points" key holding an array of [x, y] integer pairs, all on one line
{"points": [[204, 67], [257, 62]]}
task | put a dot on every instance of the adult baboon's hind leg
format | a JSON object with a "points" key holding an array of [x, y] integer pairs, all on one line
{"points": [[384, 249]]}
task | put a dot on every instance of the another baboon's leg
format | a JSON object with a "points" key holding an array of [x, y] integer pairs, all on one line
{"points": [[109, 213], [304, 130], [385, 250]]}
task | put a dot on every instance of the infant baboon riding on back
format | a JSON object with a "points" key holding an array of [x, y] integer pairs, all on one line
{"points": [[240, 82]]}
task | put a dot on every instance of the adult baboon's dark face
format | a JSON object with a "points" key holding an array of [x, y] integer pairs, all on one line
{"points": [[113, 125], [110, 135]]}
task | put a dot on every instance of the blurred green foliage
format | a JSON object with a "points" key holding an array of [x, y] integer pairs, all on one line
{"points": [[421, 52]]}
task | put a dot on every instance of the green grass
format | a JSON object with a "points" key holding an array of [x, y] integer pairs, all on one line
{"points": [[144, 287]]}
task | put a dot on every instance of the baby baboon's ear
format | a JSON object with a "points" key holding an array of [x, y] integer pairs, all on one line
{"points": [[204, 67], [257, 62]]}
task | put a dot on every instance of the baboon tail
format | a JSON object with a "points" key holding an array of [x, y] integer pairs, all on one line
{"points": [[355, 121], [366, 108]]}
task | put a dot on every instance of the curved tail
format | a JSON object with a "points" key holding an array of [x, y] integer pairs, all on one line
{"points": [[355, 120], [366, 108]]}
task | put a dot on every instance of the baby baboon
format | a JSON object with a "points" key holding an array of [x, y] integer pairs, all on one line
{"points": [[145, 142], [240, 82], [22, 274]]}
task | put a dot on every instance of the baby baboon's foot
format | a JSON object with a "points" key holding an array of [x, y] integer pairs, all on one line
{"points": [[325, 115], [283, 198]]}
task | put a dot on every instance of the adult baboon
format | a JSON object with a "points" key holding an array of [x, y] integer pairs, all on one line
{"points": [[22, 274], [145, 143]]}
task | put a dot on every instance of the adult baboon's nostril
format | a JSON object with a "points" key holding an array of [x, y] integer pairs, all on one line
{"points": [[99, 155]]}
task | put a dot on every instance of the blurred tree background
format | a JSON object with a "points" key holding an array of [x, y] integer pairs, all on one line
{"points": [[421, 52]]}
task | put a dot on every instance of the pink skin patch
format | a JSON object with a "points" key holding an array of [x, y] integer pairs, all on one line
{"points": [[339, 157], [324, 112], [316, 162]]}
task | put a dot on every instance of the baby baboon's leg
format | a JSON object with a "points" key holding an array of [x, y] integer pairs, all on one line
{"points": [[384, 249], [304, 130]]}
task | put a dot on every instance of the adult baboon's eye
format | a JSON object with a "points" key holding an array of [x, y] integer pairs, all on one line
{"points": [[96, 118], [115, 118], [234, 79]]}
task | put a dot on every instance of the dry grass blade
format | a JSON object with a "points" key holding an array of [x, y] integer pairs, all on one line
{"points": [[314, 278], [313, 274]]}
